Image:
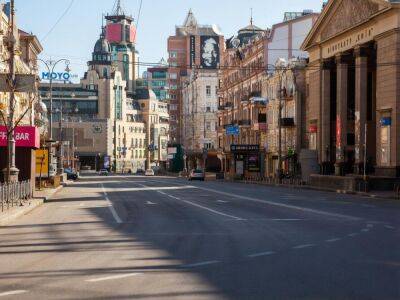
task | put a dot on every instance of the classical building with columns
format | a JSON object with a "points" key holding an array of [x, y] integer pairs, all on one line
{"points": [[353, 88]]}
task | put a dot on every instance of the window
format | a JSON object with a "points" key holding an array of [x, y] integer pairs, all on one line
{"points": [[173, 107], [173, 54], [173, 76], [208, 90], [173, 87], [208, 126], [385, 145], [173, 64], [216, 90]]}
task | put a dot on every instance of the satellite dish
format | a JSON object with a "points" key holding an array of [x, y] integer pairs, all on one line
{"points": [[236, 43]]}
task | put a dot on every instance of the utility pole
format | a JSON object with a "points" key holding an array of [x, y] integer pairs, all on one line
{"points": [[11, 170]]}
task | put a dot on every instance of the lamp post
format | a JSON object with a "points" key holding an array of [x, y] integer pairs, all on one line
{"points": [[50, 66]]}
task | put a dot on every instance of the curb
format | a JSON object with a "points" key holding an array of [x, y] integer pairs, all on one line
{"points": [[47, 198], [19, 212], [305, 187]]}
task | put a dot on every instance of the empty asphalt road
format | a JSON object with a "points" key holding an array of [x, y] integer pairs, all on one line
{"points": [[129, 237]]}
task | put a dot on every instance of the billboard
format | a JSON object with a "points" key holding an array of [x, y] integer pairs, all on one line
{"points": [[192, 50], [210, 52], [42, 163]]}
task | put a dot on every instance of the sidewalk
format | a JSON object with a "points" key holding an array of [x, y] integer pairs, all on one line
{"points": [[387, 195], [39, 198]]}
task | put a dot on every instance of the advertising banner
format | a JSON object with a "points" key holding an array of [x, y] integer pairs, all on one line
{"points": [[210, 52], [25, 137], [42, 163], [192, 50], [106, 164], [253, 163]]}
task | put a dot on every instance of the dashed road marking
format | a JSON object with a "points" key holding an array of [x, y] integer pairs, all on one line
{"points": [[150, 203], [333, 240], [353, 234], [389, 227], [261, 254], [11, 293], [222, 201], [303, 246], [370, 225], [113, 277], [200, 264], [112, 209], [365, 230]]}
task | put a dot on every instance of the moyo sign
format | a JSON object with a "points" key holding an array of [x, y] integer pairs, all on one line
{"points": [[63, 76]]}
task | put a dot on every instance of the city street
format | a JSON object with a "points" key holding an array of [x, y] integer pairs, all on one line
{"points": [[130, 237]]}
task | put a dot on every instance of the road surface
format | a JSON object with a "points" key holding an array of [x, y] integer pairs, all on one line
{"points": [[129, 237]]}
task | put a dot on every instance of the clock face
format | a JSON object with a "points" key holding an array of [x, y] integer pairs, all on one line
{"points": [[97, 129]]}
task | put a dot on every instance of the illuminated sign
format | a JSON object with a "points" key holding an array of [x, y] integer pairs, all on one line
{"points": [[58, 76]]}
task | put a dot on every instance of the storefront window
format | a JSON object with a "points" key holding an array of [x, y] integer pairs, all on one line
{"points": [[385, 145]]}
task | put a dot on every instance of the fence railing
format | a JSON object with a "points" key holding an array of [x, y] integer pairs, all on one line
{"points": [[14, 194]]}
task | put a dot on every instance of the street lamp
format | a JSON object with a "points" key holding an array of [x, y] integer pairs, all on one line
{"points": [[50, 66]]}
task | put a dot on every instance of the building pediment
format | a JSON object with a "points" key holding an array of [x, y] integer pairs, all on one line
{"points": [[341, 15]]}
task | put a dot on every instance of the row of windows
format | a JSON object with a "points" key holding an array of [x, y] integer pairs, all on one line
{"points": [[208, 90]]}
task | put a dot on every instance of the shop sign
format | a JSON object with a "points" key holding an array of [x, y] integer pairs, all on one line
{"points": [[232, 130], [42, 163], [25, 137], [253, 163], [313, 129], [245, 148], [387, 121]]}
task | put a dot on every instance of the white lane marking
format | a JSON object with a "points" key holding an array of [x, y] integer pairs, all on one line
{"points": [[261, 254], [162, 193], [370, 225], [303, 209], [303, 246], [200, 264], [113, 277], [389, 227], [150, 203], [10, 293], [112, 209], [365, 230], [222, 201], [353, 234], [333, 240], [202, 207]]}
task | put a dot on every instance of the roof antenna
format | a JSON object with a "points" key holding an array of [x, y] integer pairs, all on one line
{"points": [[251, 16]]}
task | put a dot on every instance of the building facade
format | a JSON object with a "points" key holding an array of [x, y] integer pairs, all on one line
{"points": [[193, 45], [156, 79], [28, 113], [106, 124], [252, 84], [200, 120], [353, 99]]}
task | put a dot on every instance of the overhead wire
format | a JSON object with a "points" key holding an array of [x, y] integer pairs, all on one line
{"points": [[58, 21]]}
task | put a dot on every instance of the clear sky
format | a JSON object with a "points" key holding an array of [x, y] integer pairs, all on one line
{"points": [[76, 33]]}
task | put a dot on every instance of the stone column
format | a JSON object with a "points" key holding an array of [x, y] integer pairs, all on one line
{"points": [[326, 117], [361, 91], [341, 113]]}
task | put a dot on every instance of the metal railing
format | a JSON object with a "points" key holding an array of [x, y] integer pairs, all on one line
{"points": [[15, 194]]}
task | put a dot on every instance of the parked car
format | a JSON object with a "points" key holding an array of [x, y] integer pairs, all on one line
{"points": [[197, 175], [103, 172], [149, 172], [71, 174]]}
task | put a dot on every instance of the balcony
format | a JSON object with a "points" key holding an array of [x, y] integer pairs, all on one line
{"points": [[287, 122], [260, 127], [244, 123], [228, 105]]}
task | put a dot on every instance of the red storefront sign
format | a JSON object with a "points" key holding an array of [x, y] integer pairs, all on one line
{"points": [[25, 137], [313, 129]]}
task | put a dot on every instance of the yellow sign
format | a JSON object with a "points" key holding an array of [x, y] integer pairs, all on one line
{"points": [[42, 163]]}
